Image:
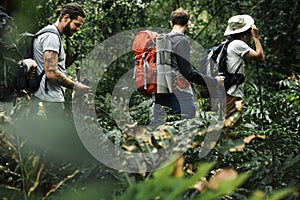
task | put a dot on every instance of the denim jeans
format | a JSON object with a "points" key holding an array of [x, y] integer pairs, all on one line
{"points": [[174, 106]]}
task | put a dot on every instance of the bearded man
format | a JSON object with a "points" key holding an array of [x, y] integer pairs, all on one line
{"points": [[50, 56]]}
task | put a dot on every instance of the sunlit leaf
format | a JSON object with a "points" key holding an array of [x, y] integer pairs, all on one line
{"points": [[251, 137], [220, 176]]}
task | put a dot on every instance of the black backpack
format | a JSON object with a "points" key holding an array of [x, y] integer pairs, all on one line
{"points": [[213, 63], [30, 84]]}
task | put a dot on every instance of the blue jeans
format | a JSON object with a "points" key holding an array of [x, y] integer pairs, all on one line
{"points": [[174, 106]]}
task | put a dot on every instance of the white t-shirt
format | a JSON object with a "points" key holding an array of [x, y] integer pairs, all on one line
{"points": [[44, 42], [236, 51]]}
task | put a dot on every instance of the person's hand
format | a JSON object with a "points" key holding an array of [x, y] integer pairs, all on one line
{"points": [[220, 80], [254, 31], [30, 63], [81, 88], [31, 67]]}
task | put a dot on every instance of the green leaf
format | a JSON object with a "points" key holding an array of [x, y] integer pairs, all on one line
{"points": [[184, 185], [277, 195]]}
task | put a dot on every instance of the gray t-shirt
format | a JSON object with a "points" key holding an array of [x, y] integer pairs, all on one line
{"points": [[45, 42], [181, 61], [236, 51]]}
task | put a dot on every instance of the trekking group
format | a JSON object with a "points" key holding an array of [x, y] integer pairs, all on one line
{"points": [[164, 70], [174, 73]]}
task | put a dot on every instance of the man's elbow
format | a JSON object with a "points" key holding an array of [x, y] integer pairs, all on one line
{"points": [[262, 58], [259, 57], [51, 74]]}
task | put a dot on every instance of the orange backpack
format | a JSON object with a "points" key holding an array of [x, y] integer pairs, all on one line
{"points": [[153, 73], [145, 74]]}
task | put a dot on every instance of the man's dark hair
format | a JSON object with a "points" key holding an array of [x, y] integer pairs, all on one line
{"points": [[180, 17], [73, 9]]}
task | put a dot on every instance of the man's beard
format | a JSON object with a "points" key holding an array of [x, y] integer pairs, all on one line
{"points": [[67, 30]]}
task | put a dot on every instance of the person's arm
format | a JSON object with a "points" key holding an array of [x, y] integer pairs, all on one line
{"points": [[52, 72], [183, 60], [201, 79], [258, 53]]}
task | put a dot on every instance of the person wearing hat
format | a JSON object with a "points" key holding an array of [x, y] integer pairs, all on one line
{"points": [[241, 30]]}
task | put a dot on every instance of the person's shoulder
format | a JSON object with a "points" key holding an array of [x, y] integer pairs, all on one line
{"points": [[237, 43], [178, 37], [176, 34], [50, 31]]}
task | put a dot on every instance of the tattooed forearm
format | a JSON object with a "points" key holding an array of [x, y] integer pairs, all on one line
{"points": [[64, 81], [52, 71]]}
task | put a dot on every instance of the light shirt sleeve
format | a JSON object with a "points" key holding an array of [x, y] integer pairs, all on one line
{"points": [[50, 42], [240, 48]]}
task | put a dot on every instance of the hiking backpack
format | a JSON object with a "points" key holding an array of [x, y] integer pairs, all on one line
{"points": [[213, 63], [30, 84], [15, 80], [152, 71]]}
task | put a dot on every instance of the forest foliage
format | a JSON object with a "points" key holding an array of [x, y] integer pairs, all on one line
{"points": [[260, 159]]}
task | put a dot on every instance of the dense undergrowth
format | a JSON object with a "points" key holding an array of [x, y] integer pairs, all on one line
{"points": [[260, 158], [257, 160]]}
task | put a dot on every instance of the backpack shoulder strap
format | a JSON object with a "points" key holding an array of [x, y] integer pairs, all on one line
{"points": [[49, 30]]}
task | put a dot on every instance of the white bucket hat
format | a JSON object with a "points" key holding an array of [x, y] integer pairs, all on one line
{"points": [[239, 24]]}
